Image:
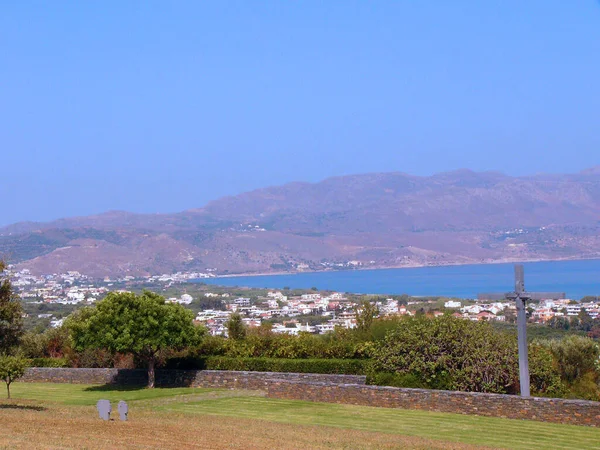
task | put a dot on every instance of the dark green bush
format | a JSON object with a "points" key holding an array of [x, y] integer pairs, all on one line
{"points": [[48, 362], [264, 344], [324, 366], [450, 353], [408, 380], [577, 361], [185, 363]]}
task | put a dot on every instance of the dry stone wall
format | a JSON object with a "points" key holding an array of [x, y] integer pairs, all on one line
{"points": [[178, 378], [575, 412], [349, 389]]}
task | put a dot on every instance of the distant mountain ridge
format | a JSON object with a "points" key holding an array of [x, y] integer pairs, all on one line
{"points": [[373, 220]]}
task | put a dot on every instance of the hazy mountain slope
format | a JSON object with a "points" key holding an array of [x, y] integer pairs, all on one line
{"points": [[386, 219]]}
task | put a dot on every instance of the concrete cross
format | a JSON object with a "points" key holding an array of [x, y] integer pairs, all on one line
{"points": [[520, 296]]}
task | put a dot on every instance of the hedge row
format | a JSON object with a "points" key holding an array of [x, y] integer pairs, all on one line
{"points": [[48, 362], [325, 366]]}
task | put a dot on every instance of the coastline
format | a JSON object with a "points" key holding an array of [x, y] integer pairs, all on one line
{"points": [[412, 266]]}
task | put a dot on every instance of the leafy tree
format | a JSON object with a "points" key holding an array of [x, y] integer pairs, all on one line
{"points": [[366, 313], [586, 323], [450, 353], [143, 325], [236, 329], [510, 316], [203, 303], [575, 356], [11, 368], [578, 361], [559, 323], [544, 376], [11, 314]]}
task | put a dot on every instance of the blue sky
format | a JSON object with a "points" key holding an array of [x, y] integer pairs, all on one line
{"points": [[163, 106]]}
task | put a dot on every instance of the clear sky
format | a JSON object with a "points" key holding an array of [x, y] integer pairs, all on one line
{"points": [[162, 106]]}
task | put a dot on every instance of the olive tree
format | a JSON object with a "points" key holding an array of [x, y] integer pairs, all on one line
{"points": [[11, 368], [143, 325]]}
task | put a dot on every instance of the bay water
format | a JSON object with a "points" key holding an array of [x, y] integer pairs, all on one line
{"points": [[575, 278]]}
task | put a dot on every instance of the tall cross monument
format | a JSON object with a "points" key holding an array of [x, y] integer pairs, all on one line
{"points": [[520, 297]]}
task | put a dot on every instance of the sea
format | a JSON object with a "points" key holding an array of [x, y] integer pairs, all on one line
{"points": [[576, 278]]}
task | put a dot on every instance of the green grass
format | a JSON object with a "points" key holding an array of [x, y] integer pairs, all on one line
{"points": [[444, 427], [488, 431], [85, 395]]}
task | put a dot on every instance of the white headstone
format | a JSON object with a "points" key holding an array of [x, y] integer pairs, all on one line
{"points": [[123, 410], [104, 409]]}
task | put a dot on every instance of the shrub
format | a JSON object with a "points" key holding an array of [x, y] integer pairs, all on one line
{"points": [[48, 362], [585, 387], [577, 360], [544, 377], [324, 366], [407, 380], [450, 353], [262, 343], [575, 356]]}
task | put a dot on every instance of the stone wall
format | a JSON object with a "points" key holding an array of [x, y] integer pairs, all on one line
{"points": [[178, 378], [350, 389], [575, 412], [85, 376]]}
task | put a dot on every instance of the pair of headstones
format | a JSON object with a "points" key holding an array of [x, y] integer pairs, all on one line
{"points": [[104, 409]]}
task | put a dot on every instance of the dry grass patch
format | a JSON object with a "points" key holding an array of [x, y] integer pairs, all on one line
{"points": [[31, 425]]}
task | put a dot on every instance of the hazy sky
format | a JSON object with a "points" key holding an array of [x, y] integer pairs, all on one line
{"points": [[162, 106]]}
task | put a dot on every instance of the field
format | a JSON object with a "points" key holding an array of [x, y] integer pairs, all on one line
{"points": [[64, 416]]}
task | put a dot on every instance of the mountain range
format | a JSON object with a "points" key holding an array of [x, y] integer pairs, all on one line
{"points": [[368, 220]]}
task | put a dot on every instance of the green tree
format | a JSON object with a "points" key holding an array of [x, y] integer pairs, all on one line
{"points": [[365, 313], [236, 329], [11, 314], [586, 323], [449, 353], [577, 359], [143, 325], [11, 368], [575, 356]]}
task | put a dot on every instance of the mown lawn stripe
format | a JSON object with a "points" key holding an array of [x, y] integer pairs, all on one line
{"points": [[451, 427]]}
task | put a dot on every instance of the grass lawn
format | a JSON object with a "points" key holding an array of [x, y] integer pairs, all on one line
{"points": [[64, 416]]}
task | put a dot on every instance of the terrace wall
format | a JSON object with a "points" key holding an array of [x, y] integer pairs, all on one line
{"points": [[349, 389], [174, 378], [574, 412]]}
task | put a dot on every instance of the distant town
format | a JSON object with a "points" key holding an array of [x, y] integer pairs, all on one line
{"points": [[48, 299]]}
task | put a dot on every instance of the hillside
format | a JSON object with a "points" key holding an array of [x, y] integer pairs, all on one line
{"points": [[383, 219]]}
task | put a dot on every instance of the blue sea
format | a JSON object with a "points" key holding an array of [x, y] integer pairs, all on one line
{"points": [[576, 278]]}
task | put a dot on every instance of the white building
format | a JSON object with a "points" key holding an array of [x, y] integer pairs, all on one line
{"points": [[452, 304]]}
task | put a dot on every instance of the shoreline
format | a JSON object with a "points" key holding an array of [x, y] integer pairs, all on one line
{"points": [[415, 266]]}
